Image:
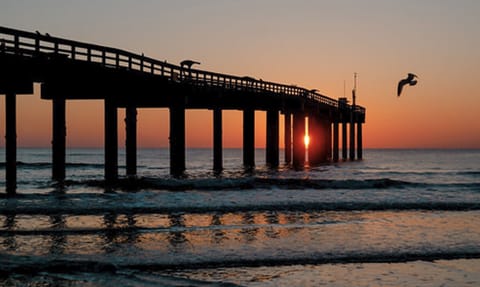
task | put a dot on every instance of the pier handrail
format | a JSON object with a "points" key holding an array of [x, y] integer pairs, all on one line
{"points": [[28, 44]]}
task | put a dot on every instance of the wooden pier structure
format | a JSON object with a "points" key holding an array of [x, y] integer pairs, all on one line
{"points": [[72, 70]]}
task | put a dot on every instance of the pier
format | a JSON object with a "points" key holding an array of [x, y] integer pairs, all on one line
{"points": [[71, 70]]}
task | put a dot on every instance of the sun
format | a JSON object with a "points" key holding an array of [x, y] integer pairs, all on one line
{"points": [[306, 139]]}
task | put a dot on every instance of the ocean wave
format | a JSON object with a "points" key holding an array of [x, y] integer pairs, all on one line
{"points": [[35, 264], [468, 173], [89, 208], [43, 165], [173, 184]]}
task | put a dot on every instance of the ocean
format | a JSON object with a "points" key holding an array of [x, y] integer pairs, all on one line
{"points": [[395, 218]]}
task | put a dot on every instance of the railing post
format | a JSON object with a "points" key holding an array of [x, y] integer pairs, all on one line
{"points": [[16, 44]]}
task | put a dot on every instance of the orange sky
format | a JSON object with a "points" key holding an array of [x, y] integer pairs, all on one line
{"points": [[314, 44]]}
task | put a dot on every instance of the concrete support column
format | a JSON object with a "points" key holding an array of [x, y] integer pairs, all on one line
{"points": [[298, 140], [131, 140], [344, 140], [217, 140], [288, 138], [59, 135], [318, 129], [359, 141], [249, 138], [328, 139], [111, 141], [316, 140], [272, 138], [335, 141], [11, 142], [177, 140], [352, 140]]}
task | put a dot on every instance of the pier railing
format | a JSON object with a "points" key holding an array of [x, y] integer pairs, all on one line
{"points": [[30, 44]]}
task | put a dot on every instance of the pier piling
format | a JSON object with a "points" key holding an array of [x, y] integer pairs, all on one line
{"points": [[59, 134], [359, 141], [298, 140], [352, 140], [111, 141], [131, 140], [344, 140], [217, 140], [272, 138], [11, 142], [288, 138], [177, 139], [248, 138], [335, 140]]}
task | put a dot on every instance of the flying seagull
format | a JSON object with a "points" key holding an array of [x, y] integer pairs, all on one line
{"points": [[409, 80]]}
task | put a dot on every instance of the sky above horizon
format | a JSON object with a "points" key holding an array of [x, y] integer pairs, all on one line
{"points": [[313, 44]]}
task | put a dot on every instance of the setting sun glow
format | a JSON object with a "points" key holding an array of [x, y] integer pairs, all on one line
{"points": [[306, 139]]}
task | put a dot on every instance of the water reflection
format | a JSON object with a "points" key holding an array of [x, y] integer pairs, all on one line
{"points": [[249, 233], [272, 219], [59, 239], [117, 230], [127, 233], [176, 237], [218, 235], [108, 233], [9, 224]]}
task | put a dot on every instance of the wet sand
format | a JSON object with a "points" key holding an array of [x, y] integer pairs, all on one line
{"points": [[462, 272]]}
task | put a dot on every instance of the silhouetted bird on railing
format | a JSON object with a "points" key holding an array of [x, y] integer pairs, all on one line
{"points": [[188, 63], [410, 80]]}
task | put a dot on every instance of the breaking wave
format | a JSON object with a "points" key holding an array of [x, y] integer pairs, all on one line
{"points": [[267, 183]]}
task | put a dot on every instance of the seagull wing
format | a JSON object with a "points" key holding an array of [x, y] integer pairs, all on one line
{"points": [[400, 86]]}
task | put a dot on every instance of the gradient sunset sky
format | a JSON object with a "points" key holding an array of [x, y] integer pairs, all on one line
{"points": [[314, 44]]}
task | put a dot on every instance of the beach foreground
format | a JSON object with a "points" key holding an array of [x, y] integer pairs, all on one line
{"points": [[397, 218]]}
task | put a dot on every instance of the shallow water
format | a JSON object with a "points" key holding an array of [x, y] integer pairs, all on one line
{"points": [[394, 219]]}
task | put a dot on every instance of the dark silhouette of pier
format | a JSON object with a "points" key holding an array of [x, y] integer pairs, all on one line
{"points": [[71, 70]]}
